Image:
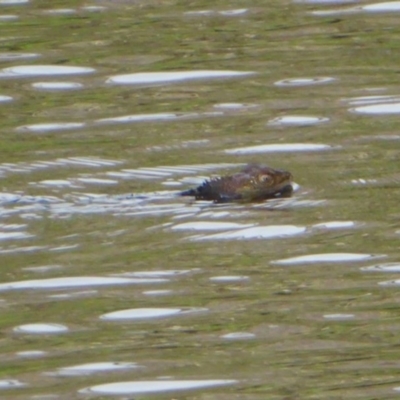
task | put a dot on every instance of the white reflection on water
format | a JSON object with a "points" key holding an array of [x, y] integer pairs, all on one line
{"points": [[137, 387], [164, 292], [141, 118], [388, 267], [14, 235], [73, 295], [293, 82], [136, 118], [163, 171], [31, 353], [83, 162], [235, 106], [229, 279], [384, 7], [60, 11], [157, 274], [5, 99], [94, 368], [49, 127], [43, 70], [258, 232], [334, 225], [149, 313], [297, 120], [239, 336], [13, 2], [279, 148], [73, 282], [182, 145], [93, 8], [43, 268], [11, 384], [339, 317], [388, 6], [322, 2], [209, 226], [9, 17], [366, 100], [226, 13], [378, 109], [57, 85], [17, 56], [41, 329], [232, 13], [151, 78], [327, 258]]}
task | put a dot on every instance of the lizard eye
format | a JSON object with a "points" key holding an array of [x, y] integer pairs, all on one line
{"points": [[265, 178]]}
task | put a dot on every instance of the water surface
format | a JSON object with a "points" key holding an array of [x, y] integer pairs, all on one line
{"points": [[112, 285]]}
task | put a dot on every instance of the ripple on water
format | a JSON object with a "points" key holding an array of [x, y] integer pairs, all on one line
{"points": [[297, 120], [339, 317], [154, 78], [335, 225], [388, 267], [49, 127], [73, 282], [17, 56], [157, 274], [229, 279], [232, 13], [57, 163], [41, 329], [209, 226], [72, 295], [326, 258], [279, 148], [225, 13], [293, 82], [200, 13], [157, 292], [389, 6], [31, 354], [395, 282], [5, 99], [235, 106], [134, 314], [19, 250], [366, 100], [94, 368], [14, 235], [93, 8], [239, 336], [378, 109], [258, 232], [166, 171], [140, 118], [12, 2], [12, 227], [97, 181], [43, 70], [57, 85], [11, 383], [55, 183], [322, 2], [137, 387], [137, 118], [9, 17], [60, 11]]}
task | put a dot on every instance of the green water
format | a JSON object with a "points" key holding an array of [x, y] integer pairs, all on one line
{"points": [[296, 351]]}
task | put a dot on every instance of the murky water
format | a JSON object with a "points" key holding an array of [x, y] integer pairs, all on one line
{"points": [[111, 285]]}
